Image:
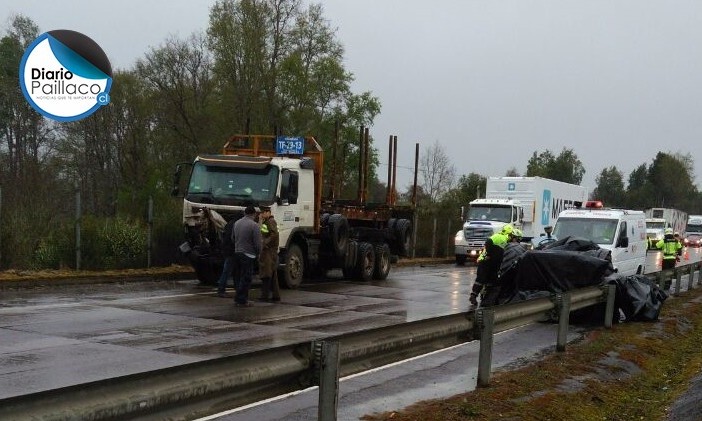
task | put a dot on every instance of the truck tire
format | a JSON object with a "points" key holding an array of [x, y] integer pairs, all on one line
{"points": [[339, 233], [403, 234], [205, 275], [365, 265], [349, 268], [294, 267], [461, 259], [382, 261], [206, 271]]}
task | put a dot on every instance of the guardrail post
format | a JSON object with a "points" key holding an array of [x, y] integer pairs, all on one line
{"points": [[611, 291], [326, 355], [678, 280], [563, 303], [690, 276], [663, 282], [485, 323]]}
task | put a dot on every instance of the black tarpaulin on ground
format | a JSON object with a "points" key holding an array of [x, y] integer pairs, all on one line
{"points": [[638, 297]]}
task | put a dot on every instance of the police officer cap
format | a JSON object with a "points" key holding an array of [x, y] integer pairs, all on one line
{"points": [[250, 210], [517, 233], [264, 208], [668, 231], [507, 229]]}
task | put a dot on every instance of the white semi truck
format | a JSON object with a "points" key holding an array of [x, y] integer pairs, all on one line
{"points": [[316, 233], [694, 225], [658, 219], [528, 203]]}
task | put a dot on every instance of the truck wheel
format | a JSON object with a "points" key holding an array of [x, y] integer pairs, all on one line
{"points": [[349, 267], [339, 230], [294, 267], [403, 233], [382, 261], [206, 271], [461, 259], [366, 261]]}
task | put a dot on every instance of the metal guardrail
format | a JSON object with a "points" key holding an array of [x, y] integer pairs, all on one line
{"points": [[199, 389]]}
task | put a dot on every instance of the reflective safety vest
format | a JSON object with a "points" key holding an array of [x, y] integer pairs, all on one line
{"points": [[670, 247], [264, 228], [499, 239]]}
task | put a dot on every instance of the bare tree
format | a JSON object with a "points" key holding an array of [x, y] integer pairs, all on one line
{"points": [[438, 173]]}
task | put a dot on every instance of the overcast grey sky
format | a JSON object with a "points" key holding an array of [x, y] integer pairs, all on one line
{"points": [[492, 81]]}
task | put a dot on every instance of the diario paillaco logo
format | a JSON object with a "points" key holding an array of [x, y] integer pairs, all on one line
{"points": [[65, 75]]}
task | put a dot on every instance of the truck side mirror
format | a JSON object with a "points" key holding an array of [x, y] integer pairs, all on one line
{"points": [[176, 181], [178, 190]]}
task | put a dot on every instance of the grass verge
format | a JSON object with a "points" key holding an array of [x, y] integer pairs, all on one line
{"points": [[634, 371]]}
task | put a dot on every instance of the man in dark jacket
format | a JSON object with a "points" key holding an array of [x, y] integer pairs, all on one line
{"points": [[268, 262], [247, 248], [489, 263]]}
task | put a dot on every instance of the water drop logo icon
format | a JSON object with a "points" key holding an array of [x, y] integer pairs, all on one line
{"points": [[65, 75]]}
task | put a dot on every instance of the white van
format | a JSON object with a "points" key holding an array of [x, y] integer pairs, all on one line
{"points": [[623, 232]]}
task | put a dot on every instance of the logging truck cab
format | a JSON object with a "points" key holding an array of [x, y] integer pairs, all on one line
{"points": [[285, 173]]}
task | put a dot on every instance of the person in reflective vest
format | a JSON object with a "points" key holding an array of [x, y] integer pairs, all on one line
{"points": [[671, 249], [679, 240], [489, 263]]}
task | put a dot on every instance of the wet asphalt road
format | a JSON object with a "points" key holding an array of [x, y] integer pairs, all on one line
{"points": [[56, 337], [52, 337]]}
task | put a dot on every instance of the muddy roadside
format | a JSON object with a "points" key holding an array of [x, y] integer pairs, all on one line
{"points": [[634, 371], [28, 278]]}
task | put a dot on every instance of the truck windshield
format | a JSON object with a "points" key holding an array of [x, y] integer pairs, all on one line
{"points": [[655, 225], [693, 227], [490, 213], [600, 231], [232, 185]]}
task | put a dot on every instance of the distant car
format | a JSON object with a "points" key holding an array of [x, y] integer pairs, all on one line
{"points": [[693, 240]]}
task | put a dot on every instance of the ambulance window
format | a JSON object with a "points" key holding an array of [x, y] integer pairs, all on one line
{"points": [[623, 240]]}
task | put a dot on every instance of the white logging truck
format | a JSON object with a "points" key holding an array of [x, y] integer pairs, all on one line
{"points": [[317, 233]]}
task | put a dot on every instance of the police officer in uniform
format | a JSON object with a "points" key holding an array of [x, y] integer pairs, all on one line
{"points": [[268, 261]]}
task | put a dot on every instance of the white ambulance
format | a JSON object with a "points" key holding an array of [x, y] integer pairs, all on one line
{"points": [[623, 232]]}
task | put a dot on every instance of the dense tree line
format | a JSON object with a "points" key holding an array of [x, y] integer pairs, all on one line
{"points": [[261, 66]]}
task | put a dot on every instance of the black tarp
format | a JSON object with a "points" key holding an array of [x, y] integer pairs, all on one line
{"points": [[560, 270], [638, 297], [573, 263]]}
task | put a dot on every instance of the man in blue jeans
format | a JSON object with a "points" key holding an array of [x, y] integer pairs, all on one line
{"points": [[247, 248], [229, 259]]}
